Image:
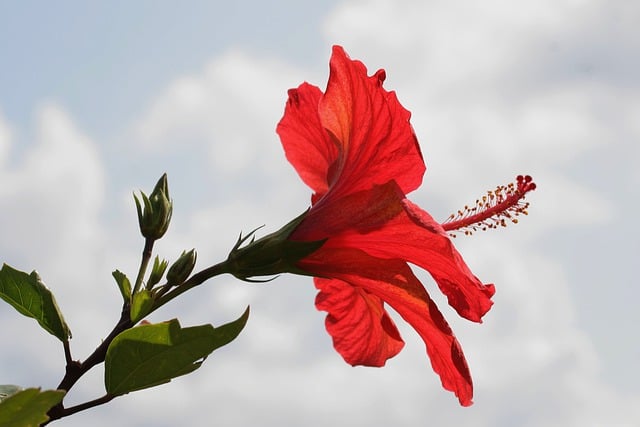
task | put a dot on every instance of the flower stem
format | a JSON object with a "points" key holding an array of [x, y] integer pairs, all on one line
{"points": [[146, 256], [195, 280]]}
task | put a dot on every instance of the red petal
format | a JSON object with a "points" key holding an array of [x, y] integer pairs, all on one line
{"points": [[355, 136], [432, 249], [360, 213], [384, 224], [376, 141], [394, 282], [306, 143], [421, 241], [362, 331]]}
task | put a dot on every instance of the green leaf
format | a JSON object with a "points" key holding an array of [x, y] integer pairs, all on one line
{"points": [[150, 355], [29, 407], [123, 284], [141, 305], [28, 294]]}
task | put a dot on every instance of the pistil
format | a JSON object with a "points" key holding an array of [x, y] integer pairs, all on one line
{"points": [[495, 209]]}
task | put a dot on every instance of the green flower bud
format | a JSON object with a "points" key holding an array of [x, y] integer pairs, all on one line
{"points": [[270, 255], [155, 217], [182, 268]]}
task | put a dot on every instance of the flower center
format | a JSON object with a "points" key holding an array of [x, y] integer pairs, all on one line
{"points": [[493, 210]]}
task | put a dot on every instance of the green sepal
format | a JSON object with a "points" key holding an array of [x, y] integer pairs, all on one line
{"points": [[159, 267], [155, 217], [28, 294], [149, 355], [272, 254], [182, 268], [29, 407]]}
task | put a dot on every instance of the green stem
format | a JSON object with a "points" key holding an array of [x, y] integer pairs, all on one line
{"points": [[195, 280], [146, 257]]}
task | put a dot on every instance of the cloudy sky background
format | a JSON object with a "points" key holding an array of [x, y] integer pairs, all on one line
{"points": [[98, 100]]}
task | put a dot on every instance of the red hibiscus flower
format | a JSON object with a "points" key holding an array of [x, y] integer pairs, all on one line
{"points": [[354, 146]]}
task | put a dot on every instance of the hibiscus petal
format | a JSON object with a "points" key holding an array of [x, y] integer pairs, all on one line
{"points": [[431, 249], [306, 143], [426, 245], [362, 331], [360, 213], [393, 281], [377, 143], [384, 224], [354, 136]]}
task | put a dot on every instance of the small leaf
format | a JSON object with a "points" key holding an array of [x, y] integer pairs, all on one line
{"points": [[29, 407], [141, 305], [28, 294], [123, 284], [7, 390], [150, 355]]}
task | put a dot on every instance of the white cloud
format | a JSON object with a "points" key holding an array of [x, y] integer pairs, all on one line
{"points": [[229, 110], [50, 201], [58, 186], [567, 203], [456, 46]]}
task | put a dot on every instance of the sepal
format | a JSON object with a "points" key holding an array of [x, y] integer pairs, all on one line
{"points": [[182, 268], [159, 267], [154, 217], [272, 254]]}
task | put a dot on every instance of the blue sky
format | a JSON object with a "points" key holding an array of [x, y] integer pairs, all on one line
{"points": [[99, 99], [73, 51]]}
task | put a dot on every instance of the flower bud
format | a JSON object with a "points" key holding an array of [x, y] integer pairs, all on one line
{"points": [[159, 267], [182, 268], [154, 219], [272, 254]]}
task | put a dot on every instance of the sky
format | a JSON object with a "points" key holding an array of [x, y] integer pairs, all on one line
{"points": [[97, 100]]}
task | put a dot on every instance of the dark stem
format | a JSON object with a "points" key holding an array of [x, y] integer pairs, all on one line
{"points": [[99, 353], [81, 407], [67, 352], [75, 370]]}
